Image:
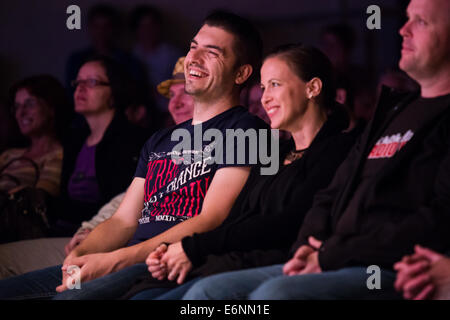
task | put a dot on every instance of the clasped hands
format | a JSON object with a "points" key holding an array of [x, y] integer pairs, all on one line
{"points": [[172, 263], [422, 275], [169, 261], [305, 259]]}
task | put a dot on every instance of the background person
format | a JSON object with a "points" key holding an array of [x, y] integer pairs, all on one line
{"points": [[389, 194], [24, 256], [101, 156], [298, 96], [31, 173], [222, 57]]}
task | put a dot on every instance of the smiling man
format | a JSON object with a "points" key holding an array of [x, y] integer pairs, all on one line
{"points": [[222, 57], [391, 192]]}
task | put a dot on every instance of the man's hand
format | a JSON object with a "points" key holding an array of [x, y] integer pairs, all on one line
{"points": [[419, 274], [305, 259], [178, 264], [155, 266], [76, 240], [92, 266]]}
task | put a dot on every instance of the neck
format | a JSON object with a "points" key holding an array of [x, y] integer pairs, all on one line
{"points": [[438, 85], [307, 128], [42, 144], [98, 123], [207, 109]]}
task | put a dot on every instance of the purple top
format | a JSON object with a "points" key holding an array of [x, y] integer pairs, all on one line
{"points": [[83, 184]]}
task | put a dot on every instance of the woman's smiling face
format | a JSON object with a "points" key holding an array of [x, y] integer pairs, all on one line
{"points": [[284, 94]]}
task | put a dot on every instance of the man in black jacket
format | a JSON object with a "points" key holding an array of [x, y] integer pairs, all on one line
{"points": [[391, 192]]}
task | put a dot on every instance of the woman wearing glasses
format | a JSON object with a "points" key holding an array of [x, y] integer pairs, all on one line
{"points": [[99, 159]]}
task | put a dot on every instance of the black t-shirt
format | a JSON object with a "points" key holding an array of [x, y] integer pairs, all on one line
{"points": [[177, 178], [399, 131]]}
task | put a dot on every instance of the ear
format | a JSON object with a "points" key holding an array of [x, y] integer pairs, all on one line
{"points": [[313, 88], [244, 72]]}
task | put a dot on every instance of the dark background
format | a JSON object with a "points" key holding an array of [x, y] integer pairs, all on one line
{"points": [[35, 39]]}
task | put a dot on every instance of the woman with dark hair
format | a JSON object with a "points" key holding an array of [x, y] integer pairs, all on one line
{"points": [[38, 104], [298, 95], [30, 176], [99, 160]]}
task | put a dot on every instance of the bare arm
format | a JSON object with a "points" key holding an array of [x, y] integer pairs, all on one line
{"points": [[223, 191], [115, 232]]}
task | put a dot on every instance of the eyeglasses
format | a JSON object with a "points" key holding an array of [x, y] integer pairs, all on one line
{"points": [[90, 83]]}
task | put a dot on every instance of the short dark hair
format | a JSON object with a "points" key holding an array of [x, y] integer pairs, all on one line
{"points": [[52, 92], [121, 83], [248, 44], [308, 62], [143, 11]]}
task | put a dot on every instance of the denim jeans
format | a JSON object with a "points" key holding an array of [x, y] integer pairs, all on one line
{"points": [[165, 293], [269, 283], [41, 284]]}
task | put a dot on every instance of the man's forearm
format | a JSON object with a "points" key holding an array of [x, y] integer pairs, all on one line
{"points": [[139, 252], [106, 237]]}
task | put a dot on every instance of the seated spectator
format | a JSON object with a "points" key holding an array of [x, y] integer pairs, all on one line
{"points": [[25, 256], [99, 159], [424, 275], [390, 193], [103, 27], [152, 49], [38, 104], [155, 208], [298, 95], [338, 41], [181, 105]]}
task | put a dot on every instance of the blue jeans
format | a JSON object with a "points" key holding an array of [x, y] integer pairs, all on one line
{"points": [[269, 283], [165, 293], [41, 284]]}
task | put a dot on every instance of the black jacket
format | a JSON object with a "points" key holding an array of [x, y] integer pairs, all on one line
{"points": [[116, 158], [408, 202], [269, 218]]}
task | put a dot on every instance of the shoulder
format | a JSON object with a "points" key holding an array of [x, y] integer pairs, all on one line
{"points": [[11, 154], [162, 136], [239, 118]]}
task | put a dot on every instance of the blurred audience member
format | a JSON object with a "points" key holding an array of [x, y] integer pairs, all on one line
{"points": [[103, 27], [338, 41], [99, 160], [151, 48], [38, 104], [181, 105], [25, 256], [30, 176]]}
